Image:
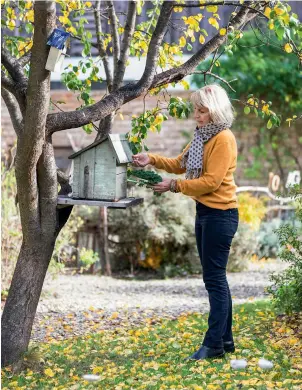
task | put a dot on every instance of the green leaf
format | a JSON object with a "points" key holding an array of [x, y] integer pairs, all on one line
{"points": [[189, 47], [247, 110], [280, 32], [146, 148], [29, 28], [269, 124]]}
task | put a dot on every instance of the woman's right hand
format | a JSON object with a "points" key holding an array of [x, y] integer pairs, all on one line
{"points": [[141, 160]]}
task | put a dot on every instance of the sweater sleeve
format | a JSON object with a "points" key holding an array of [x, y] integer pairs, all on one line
{"points": [[218, 164], [170, 165]]}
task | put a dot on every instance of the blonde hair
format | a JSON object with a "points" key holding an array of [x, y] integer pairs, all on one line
{"points": [[216, 99]]}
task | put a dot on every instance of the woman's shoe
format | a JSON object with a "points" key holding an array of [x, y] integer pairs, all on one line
{"points": [[229, 346], [206, 352]]}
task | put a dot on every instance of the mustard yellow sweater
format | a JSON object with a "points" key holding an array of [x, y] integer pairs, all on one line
{"points": [[216, 186]]}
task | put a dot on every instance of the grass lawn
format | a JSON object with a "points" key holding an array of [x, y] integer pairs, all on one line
{"points": [[151, 357]]}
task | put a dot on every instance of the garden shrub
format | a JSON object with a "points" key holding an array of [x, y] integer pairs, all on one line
{"points": [[157, 233], [251, 212], [286, 288]]}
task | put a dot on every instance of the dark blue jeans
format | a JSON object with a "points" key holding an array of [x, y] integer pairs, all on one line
{"points": [[215, 229]]}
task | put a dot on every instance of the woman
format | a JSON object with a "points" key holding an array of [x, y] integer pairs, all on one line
{"points": [[209, 161]]}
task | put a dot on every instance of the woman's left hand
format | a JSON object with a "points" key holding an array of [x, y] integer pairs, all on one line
{"points": [[162, 186]]}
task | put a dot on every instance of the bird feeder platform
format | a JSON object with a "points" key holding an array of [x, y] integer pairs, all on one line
{"points": [[124, 203]]}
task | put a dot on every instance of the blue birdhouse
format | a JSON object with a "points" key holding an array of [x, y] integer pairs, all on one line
{"points": [[57, 42]]}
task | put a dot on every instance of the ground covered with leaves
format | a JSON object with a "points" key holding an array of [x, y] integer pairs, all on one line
{"points": [[152, 356]]}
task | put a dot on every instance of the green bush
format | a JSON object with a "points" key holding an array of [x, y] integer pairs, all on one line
{"points": [[286, 289], [268, 243], [155, 234], [244, 245], [87, 258]]}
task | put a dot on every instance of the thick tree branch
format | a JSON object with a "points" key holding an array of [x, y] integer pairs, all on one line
{"points": [[115, 35], [68, 120], [14, 68], [13, 109], [25, 59], [12, 87], [31, 144], [7, 82], [101, 46], [128, 33], [156, 40]]}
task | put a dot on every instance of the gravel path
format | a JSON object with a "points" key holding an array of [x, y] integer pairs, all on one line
{"points": [[75, 305]]}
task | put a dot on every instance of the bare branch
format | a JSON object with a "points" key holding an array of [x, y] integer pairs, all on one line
{"points": [[101, 46], [216, 77], [115, 35], [128, 33], [13, 109]]}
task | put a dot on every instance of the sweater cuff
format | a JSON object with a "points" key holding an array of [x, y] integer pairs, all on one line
{"points": [[178, 185], [152, 159]]}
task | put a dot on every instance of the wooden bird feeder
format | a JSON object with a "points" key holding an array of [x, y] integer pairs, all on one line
{"points": [[100, 174]]}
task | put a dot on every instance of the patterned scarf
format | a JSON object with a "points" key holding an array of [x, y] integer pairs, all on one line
{"points": [[192, 160]]}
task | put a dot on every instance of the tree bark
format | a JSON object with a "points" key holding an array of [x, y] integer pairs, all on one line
{"points": [[23, 297]]}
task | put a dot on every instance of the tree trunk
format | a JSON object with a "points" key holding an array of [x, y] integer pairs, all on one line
{"points": [[22, 301]]}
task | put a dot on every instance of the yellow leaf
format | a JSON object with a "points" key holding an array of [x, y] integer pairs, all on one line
{"points": [[271, 25], [267, 12], [72, 30], [182, 41], [28, 4], [49, 372], [114, 315], [222, 31], [97, 370], [293, 341], [286, 19], [214, 23], [153, 128], [63, 19], [212, 8], [30, 15], [185, 84], [121, 116], [201, 39], [279, 11], [288, 48], [88, 4]]}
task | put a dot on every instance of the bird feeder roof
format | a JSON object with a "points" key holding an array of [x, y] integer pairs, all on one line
{"points": [[58, 38], [120, 145]]}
